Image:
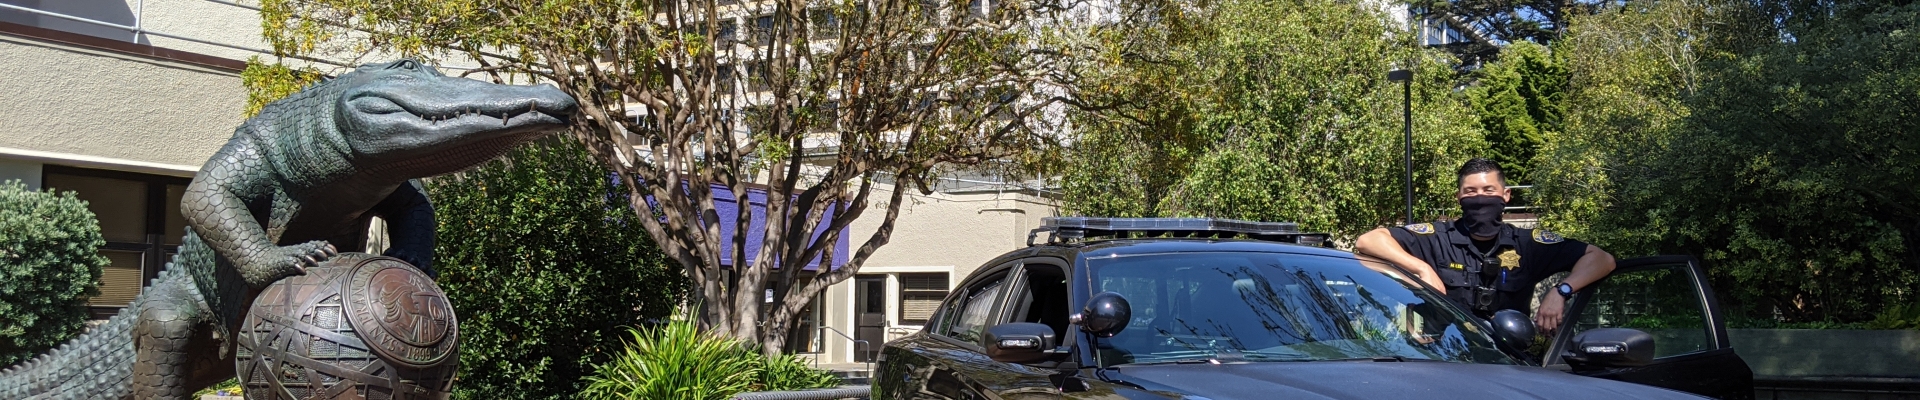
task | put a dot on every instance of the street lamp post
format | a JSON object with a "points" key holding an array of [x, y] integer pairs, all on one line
{"points": [[1405, 77]]}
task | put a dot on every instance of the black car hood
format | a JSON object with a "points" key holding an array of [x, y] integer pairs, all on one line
{"points": [[1378, 380]]}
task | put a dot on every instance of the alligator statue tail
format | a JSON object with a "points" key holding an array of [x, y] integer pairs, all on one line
{"points": [[99, 363]]}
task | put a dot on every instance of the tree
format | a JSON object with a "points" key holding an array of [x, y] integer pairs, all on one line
{"points": [[822, 103], [1770, 139], [1629, 75], [1520, 98], [539, 254], [1267, 110], [49, 265]]}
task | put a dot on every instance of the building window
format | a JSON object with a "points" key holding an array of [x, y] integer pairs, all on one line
{"points": [[762, 30], [826, 25], [920, 295], [729, 32], [759, 76], [978, 9], [723, 79], [139, 218], [826, 117]]}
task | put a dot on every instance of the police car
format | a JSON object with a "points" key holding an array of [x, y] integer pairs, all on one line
{"points": [[1116, 308]]}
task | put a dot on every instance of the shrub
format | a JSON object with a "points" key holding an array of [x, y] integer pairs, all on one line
{"points": [[787, 372], [49, 265], [1901, 316], [545, 265], [678, 362]]}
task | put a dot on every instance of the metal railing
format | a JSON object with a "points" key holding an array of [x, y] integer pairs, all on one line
{"points": [[859, 345], [843, 392], [1429, 214]]}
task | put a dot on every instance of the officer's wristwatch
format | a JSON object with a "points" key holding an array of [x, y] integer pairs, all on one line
{"points": [[1566, 291]]}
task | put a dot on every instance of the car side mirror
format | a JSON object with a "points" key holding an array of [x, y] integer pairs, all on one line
{"points": [[1019, 342], [1513, 329], [1610, 348], [1106, 314]]}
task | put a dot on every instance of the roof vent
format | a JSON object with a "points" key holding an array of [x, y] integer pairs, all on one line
{"points": [[1079, 229]]}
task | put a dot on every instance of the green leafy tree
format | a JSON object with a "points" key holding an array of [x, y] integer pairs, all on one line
{"points": [[540, 255], [821, 103], [49, 265], [1694, 128], [1630, 73], [1520, 98], [266, 82], [1795, 173], [1268, 110]]}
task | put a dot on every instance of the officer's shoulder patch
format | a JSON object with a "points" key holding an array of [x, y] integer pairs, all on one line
{"points": [[1424, 229], [1547, 237]]}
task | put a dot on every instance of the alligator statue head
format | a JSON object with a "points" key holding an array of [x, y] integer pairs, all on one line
{"points": [[407, 116]]}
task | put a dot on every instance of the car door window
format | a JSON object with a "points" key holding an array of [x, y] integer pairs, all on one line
{"points": [[1663, 301], [974, 310], [1042, 299]]}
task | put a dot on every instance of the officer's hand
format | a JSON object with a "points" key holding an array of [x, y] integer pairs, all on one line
{"points": [[1430, 277], [1551, 310]]}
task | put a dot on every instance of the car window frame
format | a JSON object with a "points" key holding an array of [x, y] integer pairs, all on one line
{"points": [[1714, 318], [951, 308], [1024, 285]]}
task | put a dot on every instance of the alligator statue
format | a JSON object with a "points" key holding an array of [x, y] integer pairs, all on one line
{"points": [[295, 183]]}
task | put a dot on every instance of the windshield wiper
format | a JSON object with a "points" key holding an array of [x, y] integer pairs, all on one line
{"points": [[1229, 357], [1387, 359], [1177, 361]]}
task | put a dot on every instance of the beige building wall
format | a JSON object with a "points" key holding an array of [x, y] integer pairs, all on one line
{"points": [[122, 101], [68, 102], [947, 232]]}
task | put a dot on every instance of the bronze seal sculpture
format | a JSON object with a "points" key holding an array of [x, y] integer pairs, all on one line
{"points": [[356, 327]]}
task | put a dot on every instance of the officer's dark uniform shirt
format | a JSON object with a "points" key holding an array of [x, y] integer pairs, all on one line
{"points": [[1507, 268]]}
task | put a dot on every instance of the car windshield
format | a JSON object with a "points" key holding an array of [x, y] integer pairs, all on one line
{"points": [[1250, 307]]}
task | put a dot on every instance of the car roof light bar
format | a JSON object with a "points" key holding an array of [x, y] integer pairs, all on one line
{"points": [[1078, 229]]}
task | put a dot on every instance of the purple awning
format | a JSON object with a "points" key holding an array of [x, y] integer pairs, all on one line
{"points": [[728, 210]]}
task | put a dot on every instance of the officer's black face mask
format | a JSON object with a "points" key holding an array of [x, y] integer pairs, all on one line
{"points": [[1480, 215]]}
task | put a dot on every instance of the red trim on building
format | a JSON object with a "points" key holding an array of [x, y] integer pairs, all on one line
{"points": [[118, 46]]}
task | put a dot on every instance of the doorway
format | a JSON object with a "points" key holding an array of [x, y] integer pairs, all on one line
{"points": [[870, 315]]}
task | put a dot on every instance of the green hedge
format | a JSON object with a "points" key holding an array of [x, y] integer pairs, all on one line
{"points": [[545, 266], [49, 265]]}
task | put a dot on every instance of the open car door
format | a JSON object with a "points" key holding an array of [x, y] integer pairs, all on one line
{"points": [[1669, 298]]}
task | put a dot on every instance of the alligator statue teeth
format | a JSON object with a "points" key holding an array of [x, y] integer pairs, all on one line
{"points": [[297, 182]]}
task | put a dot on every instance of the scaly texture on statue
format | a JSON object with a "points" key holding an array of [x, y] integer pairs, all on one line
{"points": [[298, 181]]}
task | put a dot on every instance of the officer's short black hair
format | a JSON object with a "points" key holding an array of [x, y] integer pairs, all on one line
{"points": [[1479, 165]]}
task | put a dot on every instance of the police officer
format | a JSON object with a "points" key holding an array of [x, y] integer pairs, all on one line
{"points": [[1483, 263]]}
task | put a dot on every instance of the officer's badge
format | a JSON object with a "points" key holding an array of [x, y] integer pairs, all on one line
{"points": [[1423, 229], [1511, 259], [1547, 237], [1456, 266]]}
